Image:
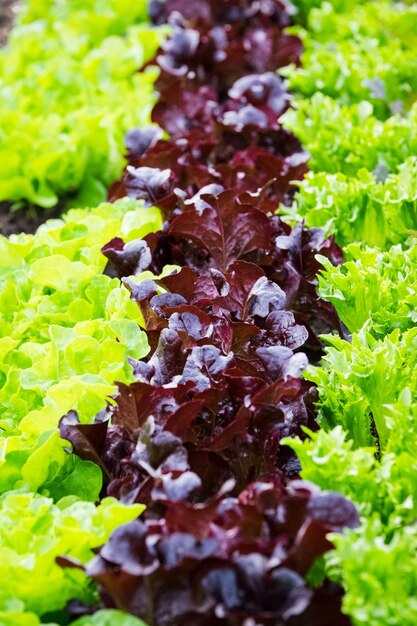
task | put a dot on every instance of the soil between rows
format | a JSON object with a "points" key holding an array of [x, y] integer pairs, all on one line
{"points": [[25, 220], [7, 16]]}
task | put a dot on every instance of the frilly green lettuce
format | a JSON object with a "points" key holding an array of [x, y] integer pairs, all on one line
{"points": [[373, 287], [356, 113], [347, 138], [361, 208], [365, 448], [366, 54]]}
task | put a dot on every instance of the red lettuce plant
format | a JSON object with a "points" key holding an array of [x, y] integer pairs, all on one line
{"points": [[228, 560], [229, 533]]}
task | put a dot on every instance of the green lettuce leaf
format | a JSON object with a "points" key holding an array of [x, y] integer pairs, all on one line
{"points": [[346, 138], [69, 90], [373, 287], [366, 54], [66, 328], [360, 208], [34, 532]]}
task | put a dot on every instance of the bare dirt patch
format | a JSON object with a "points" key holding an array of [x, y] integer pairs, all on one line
{"points": [[26, 219], [7, 17]]}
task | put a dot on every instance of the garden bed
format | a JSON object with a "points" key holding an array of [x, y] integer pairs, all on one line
{"points": [[208, 390]]}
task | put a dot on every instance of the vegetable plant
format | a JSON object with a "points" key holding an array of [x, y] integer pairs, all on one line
{"points": [[69, 90]]}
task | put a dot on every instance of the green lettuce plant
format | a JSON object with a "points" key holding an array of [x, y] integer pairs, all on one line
{"points": [[43, 465], [373, 287], [374, 294], [361, 208], [69, 90], [384, 489], [66, 331], [383, 592], [305, 7], [66, 328], [109, 618], [355, 113], [104, 617], [346, 138], [34, 532], [362, 378], [366, 54], [365, 448]]}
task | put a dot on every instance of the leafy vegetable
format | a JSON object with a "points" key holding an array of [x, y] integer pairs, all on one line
{"points": [[34, 531], [45, 466], [345, 138], [354, 111], [374, 374], [101, 618], [211, 394], [385, 493], [376, 368], [205, 564], [238, 50], [377, 594], [66, 328], [304, 7], [108, 618], [211, 381], [69, 91], [365, 448], [359, 54], [223, 120], [204, 418], [373, 288], [362, 208]]}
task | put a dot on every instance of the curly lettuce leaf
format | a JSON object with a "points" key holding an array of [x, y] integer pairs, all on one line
{"points": [[342, 138], [373, 287], [384, 591], [366, 54], [362, 208]]}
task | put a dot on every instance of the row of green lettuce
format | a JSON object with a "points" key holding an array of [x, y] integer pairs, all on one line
{"points": [[66, 332], [69, 90], [356, 113]]}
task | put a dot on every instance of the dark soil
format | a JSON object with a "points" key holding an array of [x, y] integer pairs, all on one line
{"points": [[7, 16], [25, 220]]}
